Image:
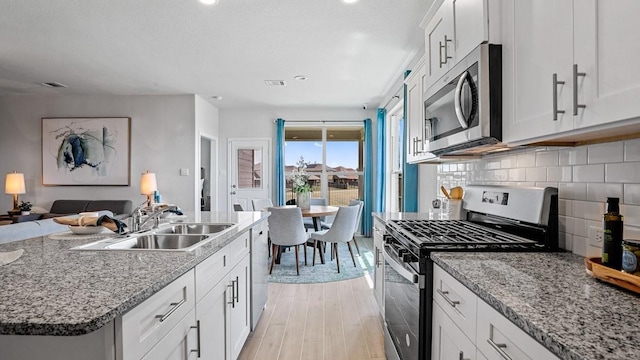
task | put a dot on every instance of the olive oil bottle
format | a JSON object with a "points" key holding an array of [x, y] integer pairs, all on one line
{"points": [[612, 240]]}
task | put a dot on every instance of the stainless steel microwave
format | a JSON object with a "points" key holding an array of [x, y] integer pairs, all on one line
{"points": [[463, 109]]}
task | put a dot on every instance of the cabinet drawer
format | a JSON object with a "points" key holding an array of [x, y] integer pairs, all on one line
{"points": [[211, 271], [458, 302], [146, 324], [238, 248], [180, 343], [498, 338]]}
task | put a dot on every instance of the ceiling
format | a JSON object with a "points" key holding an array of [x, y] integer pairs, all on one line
{"points": [[351, 54]]}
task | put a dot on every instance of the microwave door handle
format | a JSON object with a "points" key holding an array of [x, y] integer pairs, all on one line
{"points": [[457, 99]]}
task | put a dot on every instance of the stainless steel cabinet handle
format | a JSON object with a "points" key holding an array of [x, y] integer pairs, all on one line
{"points": [[498, 348], [446, 50], [444, 294], [237, 291], [440, 55], [233, 290], [175, 306], [377, 260], [575, 89], [197, 327], [555, 97], [462, 356]]}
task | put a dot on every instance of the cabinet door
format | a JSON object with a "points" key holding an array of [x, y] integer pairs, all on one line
{"points": [[239, 315], [378, 270], [470, 25], [606, 39], [414, 117], [259, 271], [212, 313], [181, 343], [537, 44], [448, 341], [439, 46]]}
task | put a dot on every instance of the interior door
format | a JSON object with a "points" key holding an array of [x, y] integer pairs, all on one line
{"points": [[249, 171]]}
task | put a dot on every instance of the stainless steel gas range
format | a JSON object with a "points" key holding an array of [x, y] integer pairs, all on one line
{"points": [[498, 218]]}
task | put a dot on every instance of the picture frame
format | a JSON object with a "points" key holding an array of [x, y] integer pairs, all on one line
{"points": [[86, 151]]}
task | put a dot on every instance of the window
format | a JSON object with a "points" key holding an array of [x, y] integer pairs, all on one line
{"points": [[334, 157], [249, 169], [396, 154]]}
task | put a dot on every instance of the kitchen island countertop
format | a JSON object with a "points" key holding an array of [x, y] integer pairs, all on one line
{"points": [[52, 290], [552, 298]]}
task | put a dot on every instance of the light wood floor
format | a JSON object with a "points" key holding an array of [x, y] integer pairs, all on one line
{"points": [[337, 321]]}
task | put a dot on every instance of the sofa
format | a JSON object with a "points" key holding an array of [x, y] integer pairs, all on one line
{"points": [[120, 208]]}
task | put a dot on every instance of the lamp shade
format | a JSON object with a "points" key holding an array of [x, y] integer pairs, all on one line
{"points": [[14, 183], [148, 183]]}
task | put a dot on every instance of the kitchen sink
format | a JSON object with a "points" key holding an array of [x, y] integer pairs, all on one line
{"points": [[169, 237]]}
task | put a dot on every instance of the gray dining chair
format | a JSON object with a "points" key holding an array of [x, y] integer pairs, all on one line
{"points": [[308, 222], [341, 232], [261, 204], [238, 207], [353, 202], [287, 230]]}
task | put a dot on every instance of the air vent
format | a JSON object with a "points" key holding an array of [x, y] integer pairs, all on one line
{"points": [[274, 82], [53, 85]]}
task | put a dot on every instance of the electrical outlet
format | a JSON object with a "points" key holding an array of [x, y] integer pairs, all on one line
{"points": [[595, 236]]}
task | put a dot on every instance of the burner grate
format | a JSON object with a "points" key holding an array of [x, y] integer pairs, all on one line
{"points": [[456, 232]]}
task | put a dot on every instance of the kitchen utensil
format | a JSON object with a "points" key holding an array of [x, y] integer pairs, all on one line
{"points": [[456, 192], [444, 191]]}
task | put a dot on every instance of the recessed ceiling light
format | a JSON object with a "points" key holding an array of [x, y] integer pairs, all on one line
{"points": [[300, 77], [209, 2], [216, 97], [349, 1]]}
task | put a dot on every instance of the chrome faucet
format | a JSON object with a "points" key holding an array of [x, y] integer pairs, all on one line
{"points": [[136, 217]]}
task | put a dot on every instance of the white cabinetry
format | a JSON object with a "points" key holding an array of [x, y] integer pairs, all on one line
{"points": [[259, 270], [181, 343], [465, 327], [378, 270], [454, 30], [414, 117], [567, 68]]}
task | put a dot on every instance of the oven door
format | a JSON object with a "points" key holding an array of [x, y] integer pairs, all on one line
{"points": [[402, 305]]}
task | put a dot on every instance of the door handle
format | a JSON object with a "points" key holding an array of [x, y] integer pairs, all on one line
{"points": [[237, 291], [576, 105], [175, 306], [444, 294], [197, 327], [458, 100], [446, 55], [233, 290], [555, 97]]}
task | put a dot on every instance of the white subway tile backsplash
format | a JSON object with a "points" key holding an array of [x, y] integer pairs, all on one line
{"points": [[573, 156], [547, 158], [508, 162], [631, 232], [632, 150], [600, 192], [632, 194], [631, 213], [560, 173], [543, 184], [589, 210], [605, 153], [492, 165], [628, 172], [564, 241], [536, 174], [517, 174], [572, 191], [588, 173], [565, 207], [501, 175], [526, 160]]}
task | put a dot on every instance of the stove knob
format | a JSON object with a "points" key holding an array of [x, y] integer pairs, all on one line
{"points": [[408, 258]]}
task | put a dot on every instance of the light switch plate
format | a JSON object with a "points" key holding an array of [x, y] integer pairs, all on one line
{"points": [[184, 172]]}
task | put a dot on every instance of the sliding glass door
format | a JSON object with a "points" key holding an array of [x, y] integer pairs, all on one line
{"points": [[333, 153]]}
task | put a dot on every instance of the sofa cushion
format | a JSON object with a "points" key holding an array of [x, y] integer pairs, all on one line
{"points": [[115, 206], [68, 206]]}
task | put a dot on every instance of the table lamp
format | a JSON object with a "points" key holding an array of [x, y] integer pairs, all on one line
{"points": [[14, 185], [148, 185]]}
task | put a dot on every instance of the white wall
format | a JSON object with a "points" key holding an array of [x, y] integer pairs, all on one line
{"points": [[585, 176], [259, 123], [162, 141], [207, 125]]}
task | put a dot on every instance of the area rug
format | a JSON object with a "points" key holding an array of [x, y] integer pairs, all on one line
{"points": [[285, 272]]}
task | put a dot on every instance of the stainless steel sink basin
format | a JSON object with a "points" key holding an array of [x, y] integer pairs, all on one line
{"points": [[193, 228], [158, 242], [170, 237]]}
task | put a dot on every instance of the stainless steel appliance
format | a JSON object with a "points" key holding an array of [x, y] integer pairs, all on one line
{"points": [[498, 218], [463, 109]]}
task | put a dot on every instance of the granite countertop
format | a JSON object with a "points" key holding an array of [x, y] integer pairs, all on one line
{"points": [[52, 290], [553, 299]]}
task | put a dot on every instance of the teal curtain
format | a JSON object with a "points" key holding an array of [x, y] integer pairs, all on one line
{"points": [[409, 171], [280, 185], [367, 219], [380, 160]]}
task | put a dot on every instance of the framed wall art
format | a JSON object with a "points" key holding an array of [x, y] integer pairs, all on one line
{"points": [[86, 151]]}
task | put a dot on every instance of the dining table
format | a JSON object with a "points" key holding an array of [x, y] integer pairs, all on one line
{"points": [[315, 212]]}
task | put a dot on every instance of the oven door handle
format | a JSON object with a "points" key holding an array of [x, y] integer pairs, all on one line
{"points": [[411, 276]]}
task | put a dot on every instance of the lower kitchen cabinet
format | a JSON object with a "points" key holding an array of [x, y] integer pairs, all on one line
{"points": [[239, 314], [181, 343], [494, 338], [449, 342], [378, 270]]}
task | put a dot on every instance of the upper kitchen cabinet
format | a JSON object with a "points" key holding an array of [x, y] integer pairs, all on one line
{"points": [[568, 69], [415, 114], [453, 28]]}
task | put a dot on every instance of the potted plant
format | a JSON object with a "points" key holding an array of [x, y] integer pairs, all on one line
{"points": [[301, 187], [25, 207]]}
